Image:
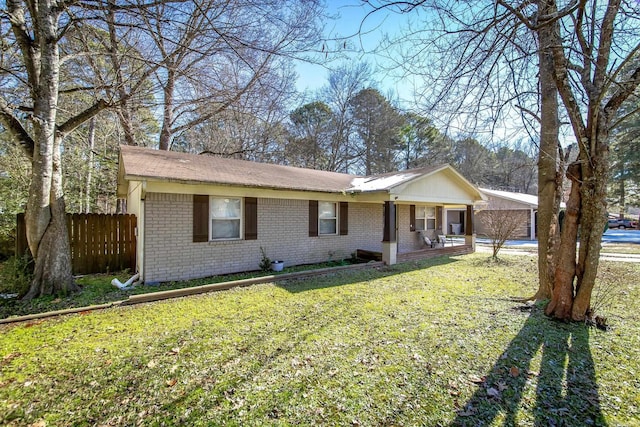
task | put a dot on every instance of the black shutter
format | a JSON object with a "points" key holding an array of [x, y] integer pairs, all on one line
{"points": [[200, 218], [412, 217], [313, 218], [344, 218], [250, 218]]}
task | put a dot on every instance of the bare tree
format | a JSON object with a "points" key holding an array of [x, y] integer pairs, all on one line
{"points": [[584, 70], [483, 59], [249, 39], [30, 115], [252, 128], [345, 82], [213, 53], [501, 223]]}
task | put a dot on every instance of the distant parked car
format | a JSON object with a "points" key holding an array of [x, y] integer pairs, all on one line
{"points": [[621, 223]]}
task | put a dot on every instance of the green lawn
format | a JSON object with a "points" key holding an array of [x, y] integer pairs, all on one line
{"points": [[429, 344], [620, 248], [97, 289]]}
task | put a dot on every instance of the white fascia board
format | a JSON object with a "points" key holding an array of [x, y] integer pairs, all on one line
{"points": [[433, 200]]}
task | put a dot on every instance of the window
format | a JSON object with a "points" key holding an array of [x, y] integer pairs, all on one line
{"points": [[327, 218], [425, 215], [226, 214]]}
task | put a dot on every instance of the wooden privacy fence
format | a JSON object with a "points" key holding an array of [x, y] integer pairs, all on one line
{"points": [[99, 242]]}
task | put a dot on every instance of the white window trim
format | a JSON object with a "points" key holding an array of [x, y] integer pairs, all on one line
{"points": [[336, 218], [426, 217], [211, 218]]}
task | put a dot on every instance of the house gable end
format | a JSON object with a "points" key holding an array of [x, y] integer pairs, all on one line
{"points": [[443, 186]]}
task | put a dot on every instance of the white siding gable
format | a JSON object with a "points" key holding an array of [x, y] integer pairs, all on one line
{"points": [[442, 187]]}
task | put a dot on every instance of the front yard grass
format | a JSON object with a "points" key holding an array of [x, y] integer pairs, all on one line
{"points": [[97, 289], [431, 343], [620, 248]]}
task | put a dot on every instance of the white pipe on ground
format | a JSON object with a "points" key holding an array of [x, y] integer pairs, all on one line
{"points": [[118, 284]]}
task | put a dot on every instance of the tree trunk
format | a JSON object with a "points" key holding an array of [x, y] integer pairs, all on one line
{"points": [[547, 160], [594, 216], [562, 298], [91, 140], [52, 272], [45, 219], [167, 118], [52, 252], [123, 111], [591, 128], [622, 197]]}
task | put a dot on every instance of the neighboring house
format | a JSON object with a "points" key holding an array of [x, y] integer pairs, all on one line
{"points": [[524, 206], [200, 215]]}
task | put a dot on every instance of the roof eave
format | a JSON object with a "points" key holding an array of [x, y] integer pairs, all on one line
{"points": [[228, 184], [511, 199]]}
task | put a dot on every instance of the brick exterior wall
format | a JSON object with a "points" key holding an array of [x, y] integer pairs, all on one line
{"points": [[408, 240], [283, 231]]}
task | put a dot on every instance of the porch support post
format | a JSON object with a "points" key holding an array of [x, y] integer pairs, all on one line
{"points": [[389, 242], [445, 214], [469, 229], [533, 225]]}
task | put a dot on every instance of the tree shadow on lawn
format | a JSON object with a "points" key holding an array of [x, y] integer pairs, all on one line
{"points": [[566, 389], [346, 277]]}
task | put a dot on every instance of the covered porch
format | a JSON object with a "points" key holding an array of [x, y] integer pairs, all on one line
{"points": [[420, 254], [407, 237], [428, 253], [417, 207]]}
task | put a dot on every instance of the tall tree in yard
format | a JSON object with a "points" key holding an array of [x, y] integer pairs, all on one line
{"points": [[584, 51], [32, 69], [550, 176], [585, 70], [36, 72], [36, 33]]}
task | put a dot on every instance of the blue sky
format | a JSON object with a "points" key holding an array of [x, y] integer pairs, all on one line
{"points": [[361, 43], [364, 37]]}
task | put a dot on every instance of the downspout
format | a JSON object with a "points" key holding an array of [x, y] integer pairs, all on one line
{"points": [[141, 232], [118, 284]]}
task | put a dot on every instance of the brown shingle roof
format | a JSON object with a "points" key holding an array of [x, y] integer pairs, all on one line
{"points": [[146, 163]]}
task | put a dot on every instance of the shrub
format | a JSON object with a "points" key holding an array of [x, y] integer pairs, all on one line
{"points": [[265, 262], [15, 275]]}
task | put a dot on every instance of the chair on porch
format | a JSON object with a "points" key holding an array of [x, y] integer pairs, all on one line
{"points": [[431, 243]]}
